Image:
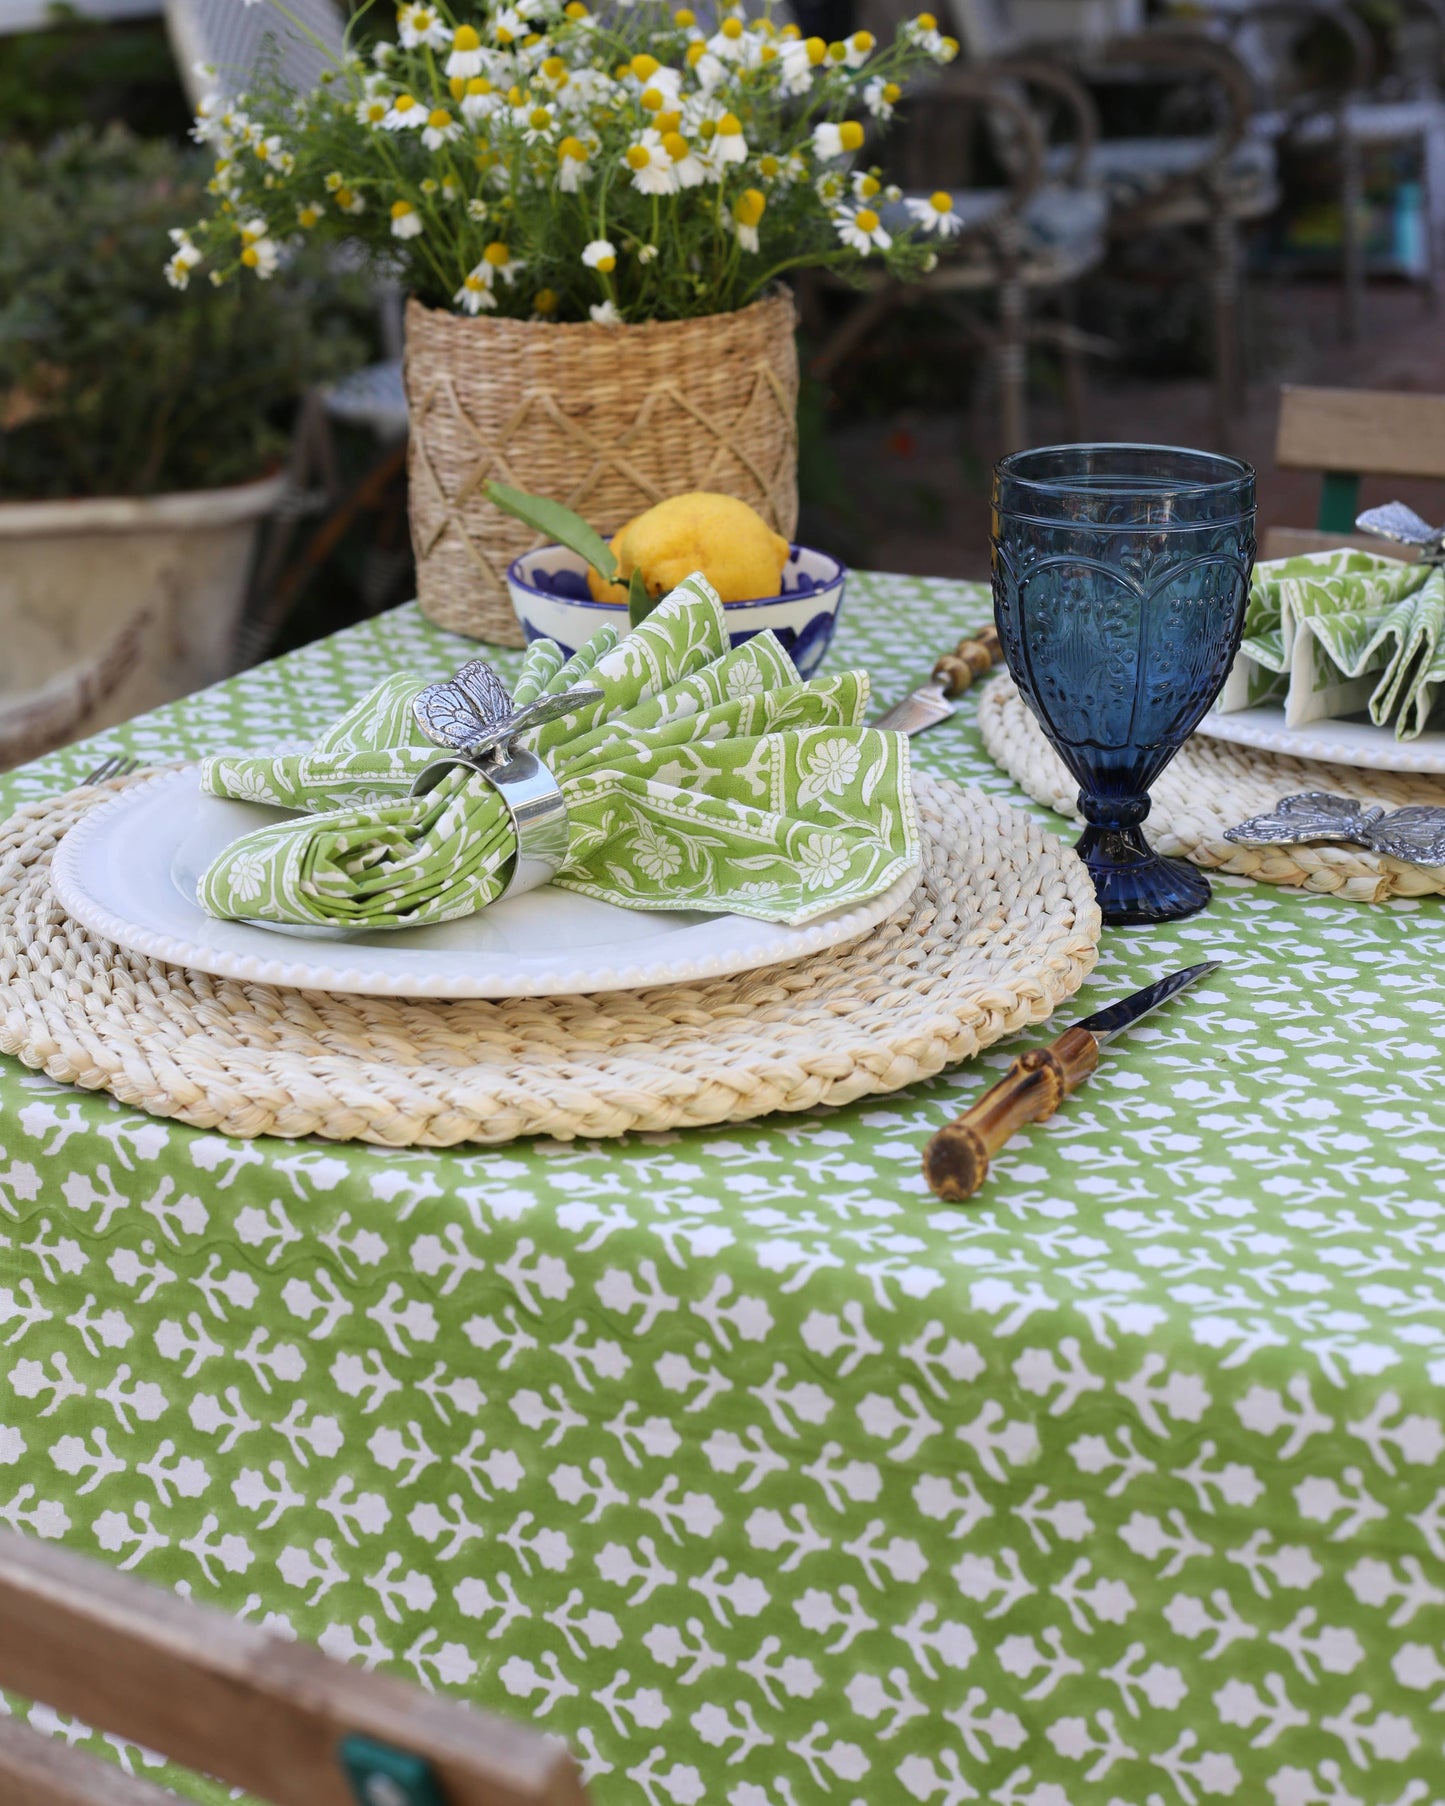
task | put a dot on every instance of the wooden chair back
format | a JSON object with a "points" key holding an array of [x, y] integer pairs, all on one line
{"points": [[280, 1720], [1347, 434]]}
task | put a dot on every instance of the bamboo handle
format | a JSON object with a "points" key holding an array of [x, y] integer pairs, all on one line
{"points": [[955, 1162], [968, 661]]}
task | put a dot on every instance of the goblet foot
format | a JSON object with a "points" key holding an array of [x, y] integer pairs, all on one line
{"points": [[1134, 883]]}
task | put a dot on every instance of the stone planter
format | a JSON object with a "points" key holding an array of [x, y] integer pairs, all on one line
{"points": [[112, 605]]}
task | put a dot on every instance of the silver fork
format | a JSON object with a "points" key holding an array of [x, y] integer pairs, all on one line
{"points": [[116, 766]]}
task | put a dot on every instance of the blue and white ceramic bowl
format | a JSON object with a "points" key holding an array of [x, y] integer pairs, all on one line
{"points": [[550, 595]]}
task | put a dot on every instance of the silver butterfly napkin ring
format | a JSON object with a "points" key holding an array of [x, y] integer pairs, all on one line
{"points": [[472, 715], [1414, 835]]}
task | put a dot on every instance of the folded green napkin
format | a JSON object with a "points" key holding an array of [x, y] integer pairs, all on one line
{"points": [[1331, 633], [706, 778]]}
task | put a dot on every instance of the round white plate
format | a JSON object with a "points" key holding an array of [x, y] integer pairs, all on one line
{"points": [[1338, 741], [128, 871]]}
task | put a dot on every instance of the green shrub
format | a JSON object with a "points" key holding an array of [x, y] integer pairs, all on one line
{"points": [[111, 381]]}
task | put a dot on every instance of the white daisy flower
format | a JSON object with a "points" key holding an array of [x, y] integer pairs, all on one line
{"points": [[652, 168], [573, 164], [183, 259], [830, 141], [422, 25], [646, 253], [440, 129], [498, 258], [880, 97], [508, 26], [601, 255], [373, 110], [862, 230], [604, 313], [480, 99], [475, 295], [259, 252], [467, 58], [935, 214], [405, 112], [798, 62], [405, 220], [858, 49], [688, 170]]}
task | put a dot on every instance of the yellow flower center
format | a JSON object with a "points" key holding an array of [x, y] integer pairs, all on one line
{"points": [[465, 38], [539, 119], [748, 208], [769, 165], [837, 53], [675, 145], [457, 87], [638, 156], [866, 220], [439, 119], [574, 10], [400, 209], [892, 93], [607, 265], [668, 122], [544, 302], [850, 135], [644, 67], [729, 126], [504, 37], [496, 254], [250, 257], [344, 197], [817, 50], [404, 103], [684, 16], [479, 85], [573, 148], [376, 111], [869, 186], [926, 22], [532, 37], [695, 54], [554, 68], [707, 130], [769, 55], [515, 96], [941, 202], [653, 100], [308, 216], [863, 40], [475, 283], [732, 28]]}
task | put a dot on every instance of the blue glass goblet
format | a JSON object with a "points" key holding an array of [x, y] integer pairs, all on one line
{"points": [[1120, 576]]}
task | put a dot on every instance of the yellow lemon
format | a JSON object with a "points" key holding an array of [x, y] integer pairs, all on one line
{"points": [[733, 547]]}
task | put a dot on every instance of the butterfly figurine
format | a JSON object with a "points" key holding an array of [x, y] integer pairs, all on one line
{"points": [[1395, 521], [1415, 835], [472, 713]]}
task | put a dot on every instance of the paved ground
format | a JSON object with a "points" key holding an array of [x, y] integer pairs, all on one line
{"points": [[916, 481]]}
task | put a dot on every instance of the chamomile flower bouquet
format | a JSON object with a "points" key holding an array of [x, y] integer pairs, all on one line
{"points": [[541, 161]]}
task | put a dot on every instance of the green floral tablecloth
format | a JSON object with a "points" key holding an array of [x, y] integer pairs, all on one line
{"points": [[739, 1461]]}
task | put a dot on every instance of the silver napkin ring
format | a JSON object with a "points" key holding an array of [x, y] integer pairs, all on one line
{"points": [[533, 799]]}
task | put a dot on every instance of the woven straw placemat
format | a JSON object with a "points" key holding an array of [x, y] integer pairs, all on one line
{"points": [[1211, 785], [1002, 927]]}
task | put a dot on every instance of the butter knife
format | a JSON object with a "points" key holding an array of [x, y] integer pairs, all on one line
{"points": [[955, 1162], [934, 701]]}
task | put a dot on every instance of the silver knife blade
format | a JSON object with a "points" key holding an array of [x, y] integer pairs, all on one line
{"points": [[927, 706], [1105, 1024]]}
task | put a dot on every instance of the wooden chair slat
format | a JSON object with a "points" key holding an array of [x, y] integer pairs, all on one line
{"points": [[1369, 432], [1289, 542], [230, 1700], [36, 1770]]}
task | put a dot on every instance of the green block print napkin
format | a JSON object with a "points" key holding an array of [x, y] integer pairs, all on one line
{"points": [[706, 778], [1331, 633]]}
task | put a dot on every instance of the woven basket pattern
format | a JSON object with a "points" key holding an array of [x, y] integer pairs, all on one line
{"points": [[1002, 927], [1211, 785], [608, 419]]}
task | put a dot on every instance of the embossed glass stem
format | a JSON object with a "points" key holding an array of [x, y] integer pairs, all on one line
{"points": [[1120, 575]]}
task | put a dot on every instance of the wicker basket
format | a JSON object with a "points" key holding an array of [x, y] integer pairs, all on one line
{"points": [[608, 419]]}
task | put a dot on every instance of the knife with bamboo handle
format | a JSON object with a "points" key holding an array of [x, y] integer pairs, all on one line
{"points": [[933, 701], [955, 1162]]}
